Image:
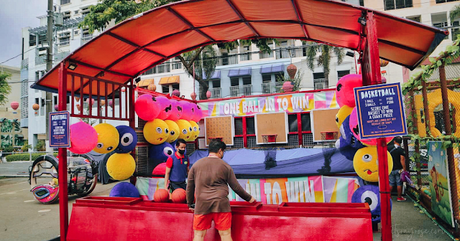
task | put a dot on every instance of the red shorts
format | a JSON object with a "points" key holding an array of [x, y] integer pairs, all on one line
{"points": [[223, 221]]}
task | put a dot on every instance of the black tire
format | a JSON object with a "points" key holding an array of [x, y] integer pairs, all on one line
{"points": [[44, 165]]}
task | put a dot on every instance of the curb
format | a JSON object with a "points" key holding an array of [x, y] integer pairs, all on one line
{"points": [[14, 176]]}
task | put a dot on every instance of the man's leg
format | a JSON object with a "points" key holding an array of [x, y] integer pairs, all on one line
{"points": [[399, 191], [225, 235], [199, 235]]}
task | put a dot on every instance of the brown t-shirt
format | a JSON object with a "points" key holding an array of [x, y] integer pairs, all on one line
{"points": [[208, 178]]}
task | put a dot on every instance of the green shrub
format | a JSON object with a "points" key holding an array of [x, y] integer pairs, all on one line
{"points": [[26, 146], [24, 156], [41, 146]]}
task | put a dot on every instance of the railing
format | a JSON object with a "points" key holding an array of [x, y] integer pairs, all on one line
{"points": [[267, 88], [234, 91], [245, 56], [265, 55], [247, 89], [216, 92]]}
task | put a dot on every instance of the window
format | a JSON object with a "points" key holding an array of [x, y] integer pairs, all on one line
{"points": [[66, 15], [342, 73], [64, 2], [439, 19], [397, 4], [216, 83], [32, 40], [293, 124], [86, 35], [245, 55], [238, 126], [234, 81], [224, 58], [176, 64], [175, 86], [415, 18], [247, 80], [444, 1], [64, 38], [164, 68], [305, 122], [455, 29], [165, 89], [279, 76], [266, 78], [361, 3], [304, 48], [250, 126], [85, 11], [282, 51], [319, 81]]}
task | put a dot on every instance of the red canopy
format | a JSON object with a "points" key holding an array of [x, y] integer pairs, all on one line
{"points": [[148, 39]]}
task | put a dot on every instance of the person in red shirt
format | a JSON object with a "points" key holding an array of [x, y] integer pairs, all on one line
{"points": [[177, 167], [209, 179]]}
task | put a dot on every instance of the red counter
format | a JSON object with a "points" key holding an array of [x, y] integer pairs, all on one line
{"points": [[107, 218]]}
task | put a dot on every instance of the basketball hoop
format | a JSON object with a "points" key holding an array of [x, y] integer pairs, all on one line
{"points": [[329, 135]]}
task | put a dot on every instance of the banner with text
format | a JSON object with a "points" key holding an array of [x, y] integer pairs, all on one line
{"points": [[277, 190], [298, 102]]}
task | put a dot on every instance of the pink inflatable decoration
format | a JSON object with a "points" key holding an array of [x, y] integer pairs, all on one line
{"points": [[165, 107], [146, 107], [355, 130], [83, 138], [187, 112], [198, 114], [14, 105], [176, 111], [344, 90]]}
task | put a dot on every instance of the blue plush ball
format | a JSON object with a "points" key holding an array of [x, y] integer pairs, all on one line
{"points": [[124, 189], [345, 149], [159, 154], [128, 139]]}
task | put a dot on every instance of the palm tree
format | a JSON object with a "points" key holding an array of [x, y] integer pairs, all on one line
{"points": [[5, 88], [325, 57]]}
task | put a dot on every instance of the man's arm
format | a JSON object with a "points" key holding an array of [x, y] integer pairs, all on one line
{"points": [[403, 162], [190, 192], [237, 188], [169, 163]]}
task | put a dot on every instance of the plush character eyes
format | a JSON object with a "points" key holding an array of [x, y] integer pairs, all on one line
{"points": [[339, 87], [336, 119], [190, 129], [367, 158], [109, 148], [100, 145], [159, 130], [168, 151], [166, 131], [127, 139], [184, 131], [194, 128], [172, 133]]}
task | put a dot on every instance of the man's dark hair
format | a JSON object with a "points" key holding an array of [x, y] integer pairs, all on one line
{"points": [[179, 141], [398, 140], [215, 145]]}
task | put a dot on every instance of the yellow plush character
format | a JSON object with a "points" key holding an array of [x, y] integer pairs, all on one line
{"points": [[344, 111], [185, 129], [156, 131], [121, 166], [107, 138], [366, 166], [174, 131], [195, 130]]}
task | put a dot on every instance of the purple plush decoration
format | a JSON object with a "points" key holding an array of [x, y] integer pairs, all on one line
{"points": [[345, 149], [369, 194], [165, 107], [187, 113], [124, 189]]}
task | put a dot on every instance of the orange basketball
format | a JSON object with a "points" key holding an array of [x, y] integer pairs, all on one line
{"points": [[178, 196], [161, 196]]}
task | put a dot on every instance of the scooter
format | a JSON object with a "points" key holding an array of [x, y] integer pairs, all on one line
{"points": [[82, 172]]}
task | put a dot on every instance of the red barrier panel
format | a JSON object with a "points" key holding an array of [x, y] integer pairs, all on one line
{"points": [[107, 218]]}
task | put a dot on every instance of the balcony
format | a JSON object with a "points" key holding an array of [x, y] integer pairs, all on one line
{"points": [[246, 90], [234, 91], [227, 60], [216, 92], [267, 88]]}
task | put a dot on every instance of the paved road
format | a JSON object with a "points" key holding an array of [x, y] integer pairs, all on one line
{"points": [[23, 218]]}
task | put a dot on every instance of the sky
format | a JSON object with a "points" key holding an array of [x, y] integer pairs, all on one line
{"points": [[15, 15]]}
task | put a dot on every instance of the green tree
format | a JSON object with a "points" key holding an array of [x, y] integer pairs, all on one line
{"points": [[204, 58], [5, 87], [324, 59]]}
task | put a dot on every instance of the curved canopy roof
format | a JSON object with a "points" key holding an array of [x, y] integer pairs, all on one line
{"points": [[148, 39]]}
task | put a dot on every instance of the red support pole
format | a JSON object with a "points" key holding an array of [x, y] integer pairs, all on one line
{"points": [[371, 75], [62, 154], [245, 133]]}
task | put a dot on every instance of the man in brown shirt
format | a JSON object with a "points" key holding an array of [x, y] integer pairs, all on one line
{"points": [[209, 179]]}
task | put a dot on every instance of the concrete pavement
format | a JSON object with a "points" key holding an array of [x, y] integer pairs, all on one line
{"points": [[26, 219]]}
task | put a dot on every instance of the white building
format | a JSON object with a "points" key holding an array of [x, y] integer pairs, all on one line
{"points": [[243, 71]]}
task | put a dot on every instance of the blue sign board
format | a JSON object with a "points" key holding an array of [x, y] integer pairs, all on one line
{"points": [[59, 129], [380, 111]]}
